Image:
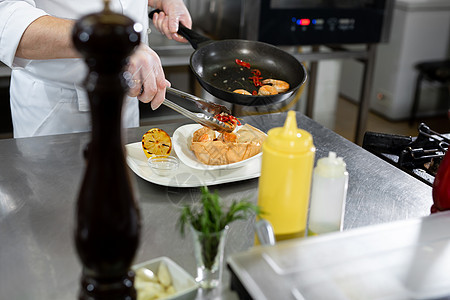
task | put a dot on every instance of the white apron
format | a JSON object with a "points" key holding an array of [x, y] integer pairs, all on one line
{"points": [[42, 107], [46, 95]]}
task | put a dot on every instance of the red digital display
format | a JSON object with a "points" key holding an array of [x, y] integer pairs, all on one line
{"points": [[305, 22]]}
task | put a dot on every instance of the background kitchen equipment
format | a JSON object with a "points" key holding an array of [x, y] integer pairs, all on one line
{"points": [[420, 32], [437, 72], [418, 156], [294, 22]]}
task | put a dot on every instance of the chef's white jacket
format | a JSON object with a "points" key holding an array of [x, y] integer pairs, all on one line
{"points": [[46, 95]]}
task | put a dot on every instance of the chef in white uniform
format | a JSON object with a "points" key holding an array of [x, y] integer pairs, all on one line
{"points": [[46, 92]]}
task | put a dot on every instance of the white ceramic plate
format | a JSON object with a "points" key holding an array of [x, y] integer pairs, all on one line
{"points": [[181, 140], [182, 281], [185, 176]]}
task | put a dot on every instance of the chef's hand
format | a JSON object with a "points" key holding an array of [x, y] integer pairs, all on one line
{"points": [[173, 13], [146, 77]]}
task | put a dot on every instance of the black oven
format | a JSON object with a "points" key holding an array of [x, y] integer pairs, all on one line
{"points": [[295, 22]]}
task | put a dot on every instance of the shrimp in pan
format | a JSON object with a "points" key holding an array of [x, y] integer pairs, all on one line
{"points": [[267, 90], [280, 85], [242, 92]]}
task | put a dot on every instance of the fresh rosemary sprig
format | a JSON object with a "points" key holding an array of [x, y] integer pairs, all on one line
{"points": [[211, 217]]}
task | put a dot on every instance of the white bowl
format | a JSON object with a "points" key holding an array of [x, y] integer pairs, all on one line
{"points": [[184, 284], [181, 140], [163, 165]]}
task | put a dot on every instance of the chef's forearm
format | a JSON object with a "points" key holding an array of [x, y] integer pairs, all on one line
{"points": [[47, 38]]}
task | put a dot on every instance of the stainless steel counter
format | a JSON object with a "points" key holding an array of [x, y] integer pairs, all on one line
{"points": [[407, 259], [40, 178]]}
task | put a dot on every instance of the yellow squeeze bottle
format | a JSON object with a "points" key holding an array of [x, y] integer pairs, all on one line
{"points": [[284, 185]]}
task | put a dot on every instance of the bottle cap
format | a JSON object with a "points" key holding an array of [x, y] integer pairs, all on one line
{"points": [[331, 166], [289, 138]]}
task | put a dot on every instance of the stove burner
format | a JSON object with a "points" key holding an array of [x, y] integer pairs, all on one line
{"points": [[419, 156]]}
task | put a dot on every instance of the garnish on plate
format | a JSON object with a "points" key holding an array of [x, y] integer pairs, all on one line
{"points": [[156, 142]]}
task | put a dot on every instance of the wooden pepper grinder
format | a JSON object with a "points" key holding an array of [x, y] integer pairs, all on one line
{"points": [[107, 215]]}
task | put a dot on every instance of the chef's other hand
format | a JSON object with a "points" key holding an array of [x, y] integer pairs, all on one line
{"points": [[147, 81], [173, 13]]}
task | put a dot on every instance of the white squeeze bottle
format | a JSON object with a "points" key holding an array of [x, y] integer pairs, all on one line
{"points": [[328, 194]]}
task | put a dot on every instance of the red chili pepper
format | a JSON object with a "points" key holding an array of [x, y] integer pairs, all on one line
{"points": [[242, 63], [235, 120], [256, 72], [256, 78], [254, 93], [222, 118], [228, 118]]}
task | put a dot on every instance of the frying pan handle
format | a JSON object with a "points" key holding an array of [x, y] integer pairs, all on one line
{"points": [[194, 38]]}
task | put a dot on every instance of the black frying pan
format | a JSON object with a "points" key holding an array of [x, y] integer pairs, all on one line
{"points": [[213, 63]]}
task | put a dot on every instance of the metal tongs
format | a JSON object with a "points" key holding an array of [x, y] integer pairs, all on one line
{"points": [[201, 118]]}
